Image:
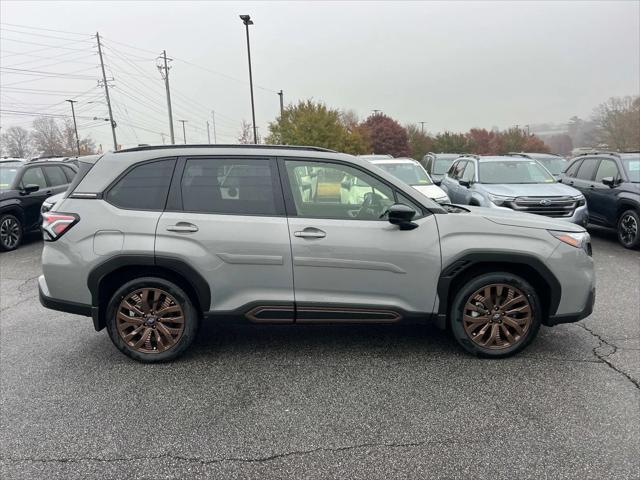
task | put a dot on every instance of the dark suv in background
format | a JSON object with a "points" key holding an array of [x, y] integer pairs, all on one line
{"points": [[438, 164], [23, 189], [611, 184]]}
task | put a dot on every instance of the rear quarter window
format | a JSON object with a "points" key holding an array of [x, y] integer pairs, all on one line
{"points": [[144, 187]]}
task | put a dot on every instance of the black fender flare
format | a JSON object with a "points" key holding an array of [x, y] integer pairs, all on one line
{"points": [[173, 264], [460, 265]]}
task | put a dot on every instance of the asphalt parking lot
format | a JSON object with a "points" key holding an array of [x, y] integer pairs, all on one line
{"points": [[321, 402]]}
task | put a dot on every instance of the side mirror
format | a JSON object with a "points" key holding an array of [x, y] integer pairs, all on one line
{"points": [[401, 215], [464, 183], [609, 181], [27, 189]]}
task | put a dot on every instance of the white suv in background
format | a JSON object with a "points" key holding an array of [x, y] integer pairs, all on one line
{"points": [[412, 173]]}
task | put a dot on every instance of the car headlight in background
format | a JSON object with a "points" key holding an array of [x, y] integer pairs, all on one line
{"points": [[579, 240], [500, 200], [46, 206], [580, 200]]}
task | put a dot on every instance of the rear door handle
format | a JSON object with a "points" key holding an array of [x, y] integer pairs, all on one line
{"points": [[310, 233], [183, 227]]}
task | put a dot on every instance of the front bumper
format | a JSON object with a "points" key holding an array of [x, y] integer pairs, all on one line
{"points": [[60, 305], [574, 317]]}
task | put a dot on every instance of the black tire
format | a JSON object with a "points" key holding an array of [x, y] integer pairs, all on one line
{"points": [[11, 232], [189, 314], [505, 349], [628, 223]]}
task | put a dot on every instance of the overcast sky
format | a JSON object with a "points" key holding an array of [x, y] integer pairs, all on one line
{"points": [[451, 65]]}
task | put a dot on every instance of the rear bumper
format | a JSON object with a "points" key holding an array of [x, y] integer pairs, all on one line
{"points": [[60, 305], [574, 317]]}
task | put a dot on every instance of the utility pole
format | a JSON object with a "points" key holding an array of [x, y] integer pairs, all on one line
{"points": [[208, 133], [164, 73], [246, 19], [184, 133], [106, 92], [422, 127], [213, 117], [281, 95], [75, 125]]}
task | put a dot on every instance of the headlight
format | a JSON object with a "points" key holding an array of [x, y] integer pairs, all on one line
{"points": [[500, 200], [46, 206], [579, 240], [580, 200]]}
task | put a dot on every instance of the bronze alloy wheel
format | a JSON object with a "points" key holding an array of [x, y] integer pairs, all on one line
{"points": [[149, 320], [497, 316]]}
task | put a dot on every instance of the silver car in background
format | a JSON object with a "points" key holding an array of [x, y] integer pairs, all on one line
{"points": [[513, 183]]}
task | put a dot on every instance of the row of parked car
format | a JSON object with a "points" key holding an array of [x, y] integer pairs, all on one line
{"points": [[600, 188]]}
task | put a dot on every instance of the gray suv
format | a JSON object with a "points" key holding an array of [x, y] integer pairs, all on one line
{"points": [[151, 241], [513, 183]]}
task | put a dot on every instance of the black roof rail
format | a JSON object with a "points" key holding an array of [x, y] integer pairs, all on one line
{"points": [[597, 152], [231, 145]]}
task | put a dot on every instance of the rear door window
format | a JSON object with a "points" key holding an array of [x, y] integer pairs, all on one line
{"points": [[587, 169], [573, 169], [55, 175], [231, 186], [144, 187]]}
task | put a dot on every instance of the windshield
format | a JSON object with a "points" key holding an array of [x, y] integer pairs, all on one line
{"points": [[554, 165], [441, 166], [510, 171], [632, 165], [8, 172], [409, 173]]}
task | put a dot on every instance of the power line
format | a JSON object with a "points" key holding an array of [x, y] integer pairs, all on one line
{"points": [[39, 34], [44, 29], [63, 46]]}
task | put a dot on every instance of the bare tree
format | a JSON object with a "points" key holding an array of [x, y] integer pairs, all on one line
{"points": [[618, 121], [47, 137], [246, 133], [87, 145], [16, 142]]}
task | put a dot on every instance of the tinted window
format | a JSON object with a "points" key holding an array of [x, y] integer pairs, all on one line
{"points": [[69, 172], [34, 176], [144, 187], [573, 168], [469, 172], [587, 169], [239, 186], [607, 168], [328, 190], [56, 176]]}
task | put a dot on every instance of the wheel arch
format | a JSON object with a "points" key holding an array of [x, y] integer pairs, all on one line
{"points": [[105, 279], [470, 265]]}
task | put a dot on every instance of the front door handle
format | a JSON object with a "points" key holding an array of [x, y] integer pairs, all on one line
{"points": [[310, 233], [183, 227]]}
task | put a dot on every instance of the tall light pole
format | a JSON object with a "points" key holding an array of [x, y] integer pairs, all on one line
{"points": [[213, 117], [281, 95], [75, 125], [422, 127], [246, 19], [184, 133]]}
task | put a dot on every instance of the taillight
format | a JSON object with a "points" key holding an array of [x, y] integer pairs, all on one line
{"points": [[56, 224]]}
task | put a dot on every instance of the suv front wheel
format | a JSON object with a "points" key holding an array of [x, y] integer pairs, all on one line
{"points": [[151, 320], [10, 232], [629, 229], [495, 315]]}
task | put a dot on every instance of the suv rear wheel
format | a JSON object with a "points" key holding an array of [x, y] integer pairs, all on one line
{"points": [[151, 320], [495, 315], [10, 232], [629, 229]]}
